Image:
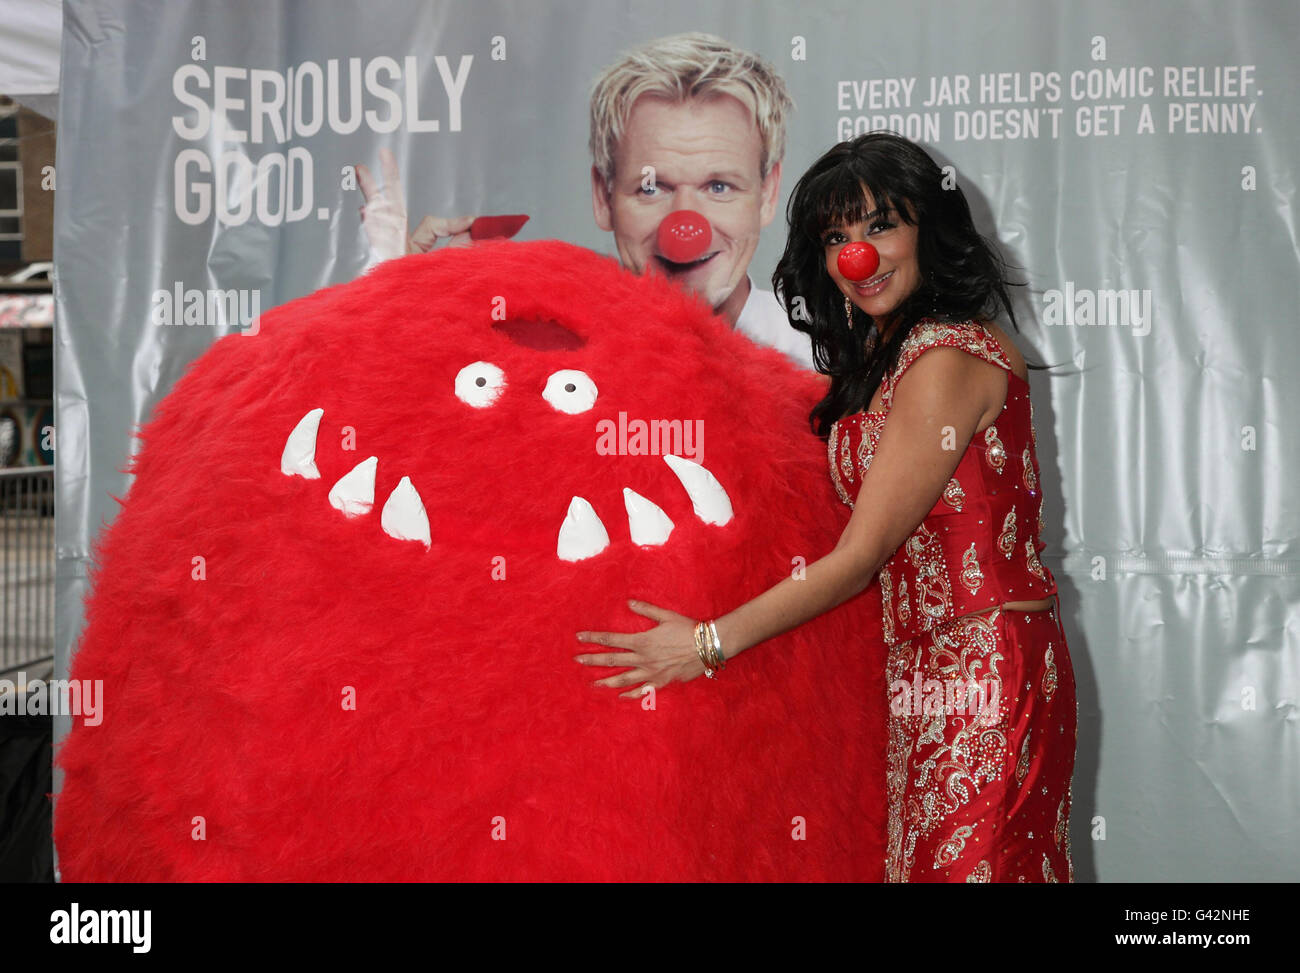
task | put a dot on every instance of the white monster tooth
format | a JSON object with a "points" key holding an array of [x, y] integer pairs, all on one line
{"points": [[582, 534], [647, 523], [711, 503], [403, 515], [354, 493], [299, 457]]}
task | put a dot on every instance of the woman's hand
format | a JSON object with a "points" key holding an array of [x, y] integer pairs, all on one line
{"points": [[664, 654]]}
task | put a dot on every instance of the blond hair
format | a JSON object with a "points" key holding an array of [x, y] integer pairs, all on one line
{"points": [[686, 66]]}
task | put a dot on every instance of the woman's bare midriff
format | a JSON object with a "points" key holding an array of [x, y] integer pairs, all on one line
{"points": [[1019, 606]]}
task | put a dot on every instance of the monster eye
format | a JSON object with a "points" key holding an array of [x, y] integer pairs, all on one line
{"points": [[570, 390], [478, 384]]}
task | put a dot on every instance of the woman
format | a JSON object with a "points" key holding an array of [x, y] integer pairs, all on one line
{"points": [[928, 417]]}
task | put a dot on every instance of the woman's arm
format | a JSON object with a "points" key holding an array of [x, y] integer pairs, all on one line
{"points": [[938, 404], [937, 407]]}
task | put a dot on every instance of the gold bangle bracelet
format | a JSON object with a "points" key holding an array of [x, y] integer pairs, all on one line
{"points": [[717, 644], [702, 650], [707, 645], [711, 644]]}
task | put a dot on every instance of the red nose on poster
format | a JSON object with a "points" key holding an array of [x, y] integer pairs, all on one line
{"points": [[858, 261], [684, 235]]}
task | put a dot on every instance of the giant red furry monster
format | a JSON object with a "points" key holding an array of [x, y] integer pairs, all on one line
{"points": [[323, 697]]}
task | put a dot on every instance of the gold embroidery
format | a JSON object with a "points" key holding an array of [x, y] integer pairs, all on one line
{"points": [[997, 453], [1030, 478], [1069, 860], [971, 575], [1031, 561], [898, 752], [981, 873], [1007, 539], [1048, 874], [933, 590], [840, 453], [909, 857], [904, 609], [936, 763], [1022, 765], [951, 850], [831, 442], [1049, 674], [1040, 514], [870, 428], [1062, 830], [953, 495], [865, 452], [886, 600]]}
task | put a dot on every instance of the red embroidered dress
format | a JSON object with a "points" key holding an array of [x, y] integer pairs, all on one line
{"points": [[982, 719]]}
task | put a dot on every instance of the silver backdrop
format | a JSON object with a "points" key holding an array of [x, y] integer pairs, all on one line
{"points": [[1137, 160]]}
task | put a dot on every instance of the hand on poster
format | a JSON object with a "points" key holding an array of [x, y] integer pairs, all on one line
{"points": [[383, 216]]}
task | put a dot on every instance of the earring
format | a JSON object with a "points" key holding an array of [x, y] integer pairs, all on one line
{"points": [[848, 311]]}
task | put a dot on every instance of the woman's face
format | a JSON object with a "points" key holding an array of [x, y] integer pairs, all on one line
{"points": [[898, 275]]}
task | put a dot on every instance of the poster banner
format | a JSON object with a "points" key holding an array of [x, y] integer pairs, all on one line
{"points": [[1136, 162]]}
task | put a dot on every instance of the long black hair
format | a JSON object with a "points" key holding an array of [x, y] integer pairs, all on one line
{"points": [[962, 274]]}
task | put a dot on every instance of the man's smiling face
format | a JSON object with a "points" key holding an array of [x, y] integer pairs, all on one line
{"points": [[705, 153]]}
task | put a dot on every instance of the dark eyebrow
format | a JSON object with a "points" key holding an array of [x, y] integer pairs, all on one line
{"points": [[866, 219]]}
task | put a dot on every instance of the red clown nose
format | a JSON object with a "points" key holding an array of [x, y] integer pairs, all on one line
{"points": [[858, 261], [684, 236]]}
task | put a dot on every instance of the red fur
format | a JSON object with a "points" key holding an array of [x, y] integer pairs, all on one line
{"points": [[223, 696]]}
